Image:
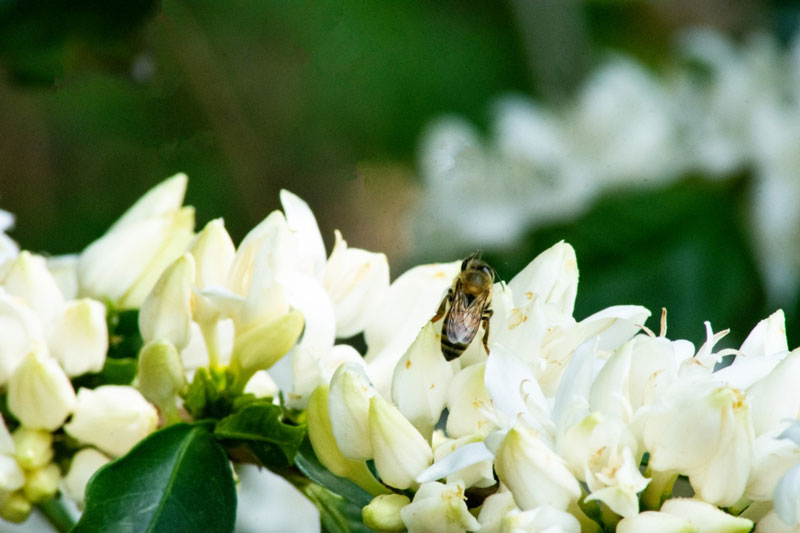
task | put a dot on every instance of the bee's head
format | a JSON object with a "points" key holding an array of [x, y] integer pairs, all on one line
{"points": [[476, 271]]}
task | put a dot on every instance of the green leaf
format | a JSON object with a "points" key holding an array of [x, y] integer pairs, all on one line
{"points": [[337, 514], [306, 460], [177, 479], [258, 427], [114, 372]]}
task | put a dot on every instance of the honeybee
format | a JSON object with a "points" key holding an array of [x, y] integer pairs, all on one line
{"points": [[470, 300]]}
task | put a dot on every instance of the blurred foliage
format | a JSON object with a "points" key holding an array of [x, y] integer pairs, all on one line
{"points": [[683, 248], [328, 98]]}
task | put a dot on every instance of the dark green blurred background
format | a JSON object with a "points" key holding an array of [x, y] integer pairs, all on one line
{"points": [[328, 98]]}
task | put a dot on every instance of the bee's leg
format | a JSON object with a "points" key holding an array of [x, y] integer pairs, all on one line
{"points": [[485, 316], [440, 312]]}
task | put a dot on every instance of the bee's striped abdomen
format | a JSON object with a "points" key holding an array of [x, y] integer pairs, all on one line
{"points": [[452, 350]]}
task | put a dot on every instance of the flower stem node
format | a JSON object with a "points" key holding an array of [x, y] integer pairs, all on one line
{"points": [[160, 377], [33, 448], [383, 512]]}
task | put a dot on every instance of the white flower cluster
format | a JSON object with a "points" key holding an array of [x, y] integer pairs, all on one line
{"points": [[721, 108], [567, 425]]}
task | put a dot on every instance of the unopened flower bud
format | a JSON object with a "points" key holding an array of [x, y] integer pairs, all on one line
{"points": [[33, 448], [656, 522], [320, 433], [42, 484], [15, 507], [706, 517], [39, 393], [213, 253], [383, 512], [29, 279], [533, 472], [348, 406], [160, 376], [261, 346], [167, 311], [401, 452]]}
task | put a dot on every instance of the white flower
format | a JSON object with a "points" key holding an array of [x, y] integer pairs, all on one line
{"points": [[410, 302], [494, 509], [79, 337], [467, 402], [421, 377], [112, 418], [534, 474], [125, 263], [356, 281], [439, 508], [39, 392], [656, 522], [477, 475], [773, 459], [401, 453], [706, 517], [11, 475], [213, 252], [703, 430], [64, 269], [83, 466]]}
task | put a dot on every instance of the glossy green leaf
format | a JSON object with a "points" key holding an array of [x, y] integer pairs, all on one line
{"points": [[177, 479], [309, 465], [260, 428]]}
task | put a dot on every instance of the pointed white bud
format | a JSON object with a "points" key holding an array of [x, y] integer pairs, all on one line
{"points": [[534, 474], [125, 263], [348, 405], [112, 417], [552, 276], [84, 464], [306, 238], [79, 337], [167, 311], [356, 281], [420, 381], [401, 452], [213, 253], [439, 508], [40, 394], [29, 280], [494, 509]]}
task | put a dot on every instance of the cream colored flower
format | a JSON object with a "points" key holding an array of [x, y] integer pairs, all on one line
{"points": [[39, 393]]}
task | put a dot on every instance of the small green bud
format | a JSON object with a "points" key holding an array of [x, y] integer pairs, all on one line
{"points": [[42, 484], [15, 507], [383, 512], [33, 447], [160, 376], [260, 347]]}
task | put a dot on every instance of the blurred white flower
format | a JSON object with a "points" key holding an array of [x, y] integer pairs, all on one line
{"points": [[40, 394], [112, 418], [439, 508], [84, 464]]}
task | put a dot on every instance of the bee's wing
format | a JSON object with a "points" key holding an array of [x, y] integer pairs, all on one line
{"points": [[464, 319]]}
